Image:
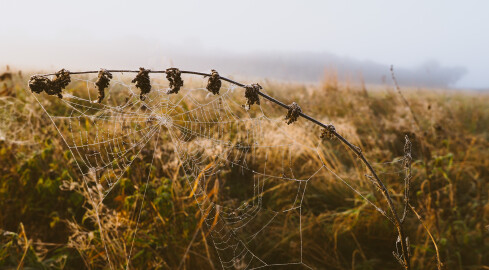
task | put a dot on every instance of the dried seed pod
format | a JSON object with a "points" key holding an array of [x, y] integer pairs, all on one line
{"points": [[174, 76], [102, 82], [214, 83], [142, 82], [57, 85], [38, 83], [293, 113], [328, 133], [62, 78], [251, 95]]}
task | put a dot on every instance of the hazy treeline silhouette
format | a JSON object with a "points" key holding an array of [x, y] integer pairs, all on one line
{"points": [[299, 66]]}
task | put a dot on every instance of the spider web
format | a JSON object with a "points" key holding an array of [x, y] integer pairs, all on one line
{"points": [[249, 155]]}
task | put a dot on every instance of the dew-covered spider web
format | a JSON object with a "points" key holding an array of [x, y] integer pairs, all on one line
{"points": [[261, 164]]}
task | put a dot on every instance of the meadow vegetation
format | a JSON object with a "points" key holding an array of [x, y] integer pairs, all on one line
{"points": [[47, 220]]}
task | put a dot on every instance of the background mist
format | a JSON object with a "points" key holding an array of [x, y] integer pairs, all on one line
{"points": [[435, 43]]}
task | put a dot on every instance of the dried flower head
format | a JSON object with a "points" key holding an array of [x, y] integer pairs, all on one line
{"points": [[293, 113], [214, 83], [38, 83], [328, 133], [251, 95], [59, 83], [174, 76], [142, 82], [102, 82]]}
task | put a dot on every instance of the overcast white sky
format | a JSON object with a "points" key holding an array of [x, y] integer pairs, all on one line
{"points": [[403, 33]]}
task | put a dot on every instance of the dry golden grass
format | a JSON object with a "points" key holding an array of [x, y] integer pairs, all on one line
{"points": [[48, 221]]}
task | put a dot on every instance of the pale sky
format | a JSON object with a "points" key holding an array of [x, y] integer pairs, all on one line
{"points": [[402, 33]]}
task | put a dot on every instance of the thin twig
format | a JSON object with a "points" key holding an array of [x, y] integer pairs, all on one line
{"points": [[440, 264], [407, 178], [404, 99], [187, 250]]}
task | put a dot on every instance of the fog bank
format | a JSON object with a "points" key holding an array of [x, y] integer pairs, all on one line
{"points": [[77, 54]]}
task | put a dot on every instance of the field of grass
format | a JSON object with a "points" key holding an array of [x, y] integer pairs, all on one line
{"points": [[47, 220]]}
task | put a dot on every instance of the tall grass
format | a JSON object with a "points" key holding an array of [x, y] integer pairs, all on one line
{"points": [[47, 219]]}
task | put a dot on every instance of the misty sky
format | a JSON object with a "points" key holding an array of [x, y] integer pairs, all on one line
{"points": [[404, 33]]}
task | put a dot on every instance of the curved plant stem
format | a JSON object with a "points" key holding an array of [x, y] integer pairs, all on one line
{"points": [[395, 217]]}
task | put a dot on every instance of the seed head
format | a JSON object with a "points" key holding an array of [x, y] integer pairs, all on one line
{"points": [[174, 76], [214, 83], [251, 95], [102, 82], [328, 133], [293, 113], [38, 84], [142, 82]]}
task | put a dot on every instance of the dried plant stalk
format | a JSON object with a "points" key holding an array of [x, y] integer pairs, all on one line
{"points": [[398, 88], [407, 179], [439, 263]]}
